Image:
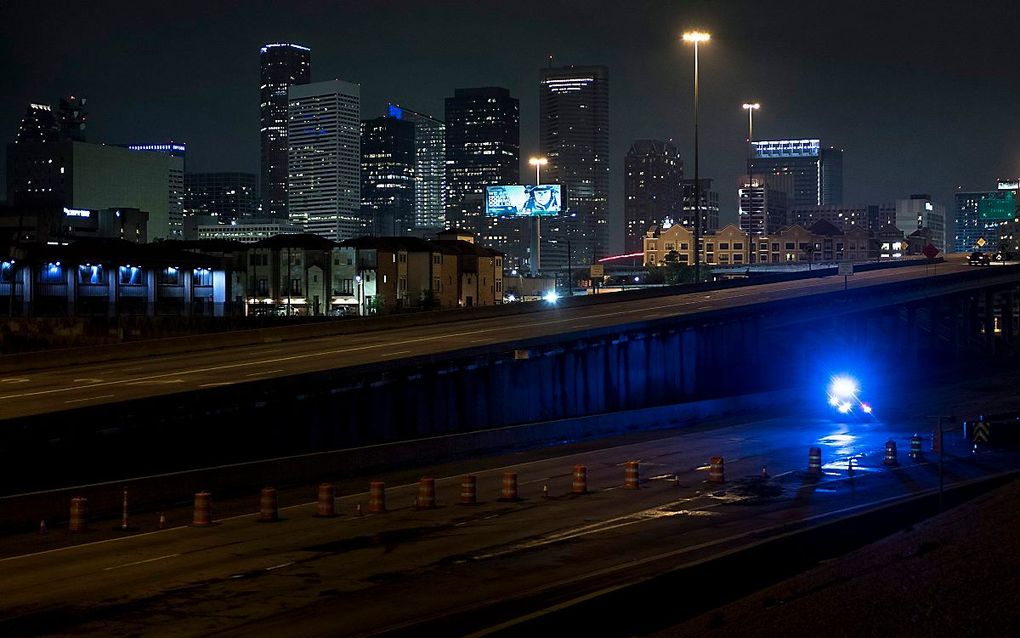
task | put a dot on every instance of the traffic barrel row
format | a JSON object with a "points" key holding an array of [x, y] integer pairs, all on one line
{"points": [[269, 509]]}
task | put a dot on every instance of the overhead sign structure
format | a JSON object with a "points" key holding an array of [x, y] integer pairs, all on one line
{"points": [[519, 200]]}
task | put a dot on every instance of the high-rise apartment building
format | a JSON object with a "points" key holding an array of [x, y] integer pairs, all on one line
{"points": [[815, 171], [324, 158], [573, 127], [387, 176], [429, 167], [653, 175], [282, 66], [228, 197], [482, 149]]}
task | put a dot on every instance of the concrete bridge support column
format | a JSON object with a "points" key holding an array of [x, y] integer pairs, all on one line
{"points": [[910, 336], [1007, 312], [989, 321]]}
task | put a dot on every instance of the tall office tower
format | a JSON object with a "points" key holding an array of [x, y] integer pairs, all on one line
{"points": [[653, 174], [979, 214], [43, 123], [71, 116], [816, 173], [573, 134], [429, 167], [324, 137], [283, 66], [919, 211], [38, 125], [762, 207], [709, 205], [482, 149], [387, 176], [175, 205], [229, 197]]}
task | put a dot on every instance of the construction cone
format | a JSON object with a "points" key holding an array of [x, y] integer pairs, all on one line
{"points": [[358, 510], [545, 491], [42, 526], [162, 521], [764, 472]]}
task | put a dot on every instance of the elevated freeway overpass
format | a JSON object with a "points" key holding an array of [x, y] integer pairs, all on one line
{"points": [[92, 420]]}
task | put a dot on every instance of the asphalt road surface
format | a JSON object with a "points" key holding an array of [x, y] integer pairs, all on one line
{"points": [[61, 388], [491, 563]]}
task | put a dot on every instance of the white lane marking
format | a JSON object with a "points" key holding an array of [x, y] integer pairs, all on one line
{"points": [[95, 398], [157, 382], [16, 380], [215, 384], [393, 354], [255, 374], [140, 562], [824, 282], [87, 380], [280, 566]]}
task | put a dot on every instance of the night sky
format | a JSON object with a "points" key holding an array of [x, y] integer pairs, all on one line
{"points": [[923, 96]]}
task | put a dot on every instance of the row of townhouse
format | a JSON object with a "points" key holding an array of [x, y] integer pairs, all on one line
{"points": [[820, 242], [291, 274]]}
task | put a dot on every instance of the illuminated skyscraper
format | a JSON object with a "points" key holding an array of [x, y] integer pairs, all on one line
{"points": [[228, 197], [815, 172], [429, 167], [387, 176], [482, 149], [574, 135], [653, 176], [324, 137], [979, 214], [283, 65]]}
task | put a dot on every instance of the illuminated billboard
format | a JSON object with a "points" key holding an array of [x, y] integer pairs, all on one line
{"points": [[517, 200]]}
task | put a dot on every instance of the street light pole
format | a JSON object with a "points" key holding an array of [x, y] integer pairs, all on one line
{"points": [[536, 221], [750, 108], [696, 37]]}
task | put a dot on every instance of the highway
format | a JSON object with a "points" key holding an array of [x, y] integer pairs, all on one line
{"points": [[60, 388], [458, 569]]}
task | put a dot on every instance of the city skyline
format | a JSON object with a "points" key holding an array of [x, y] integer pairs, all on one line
{"points": [[897, 109]]}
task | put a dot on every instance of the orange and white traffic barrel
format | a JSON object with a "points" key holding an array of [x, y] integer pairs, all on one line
{"points": [[579, 484], [325, 505], [469, 490], [716, 470], [79, 514], [915, 447], [377, 496], [203, 510], [631, 478], [890, 453], [269, 507], [814, 463], [509, 489], [426, 493]]}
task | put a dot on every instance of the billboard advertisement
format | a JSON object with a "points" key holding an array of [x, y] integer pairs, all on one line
{"points": [[517, 200]]}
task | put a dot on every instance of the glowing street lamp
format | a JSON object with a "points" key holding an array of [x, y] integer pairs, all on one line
{"points": [[536, 224], [696, 38]]}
